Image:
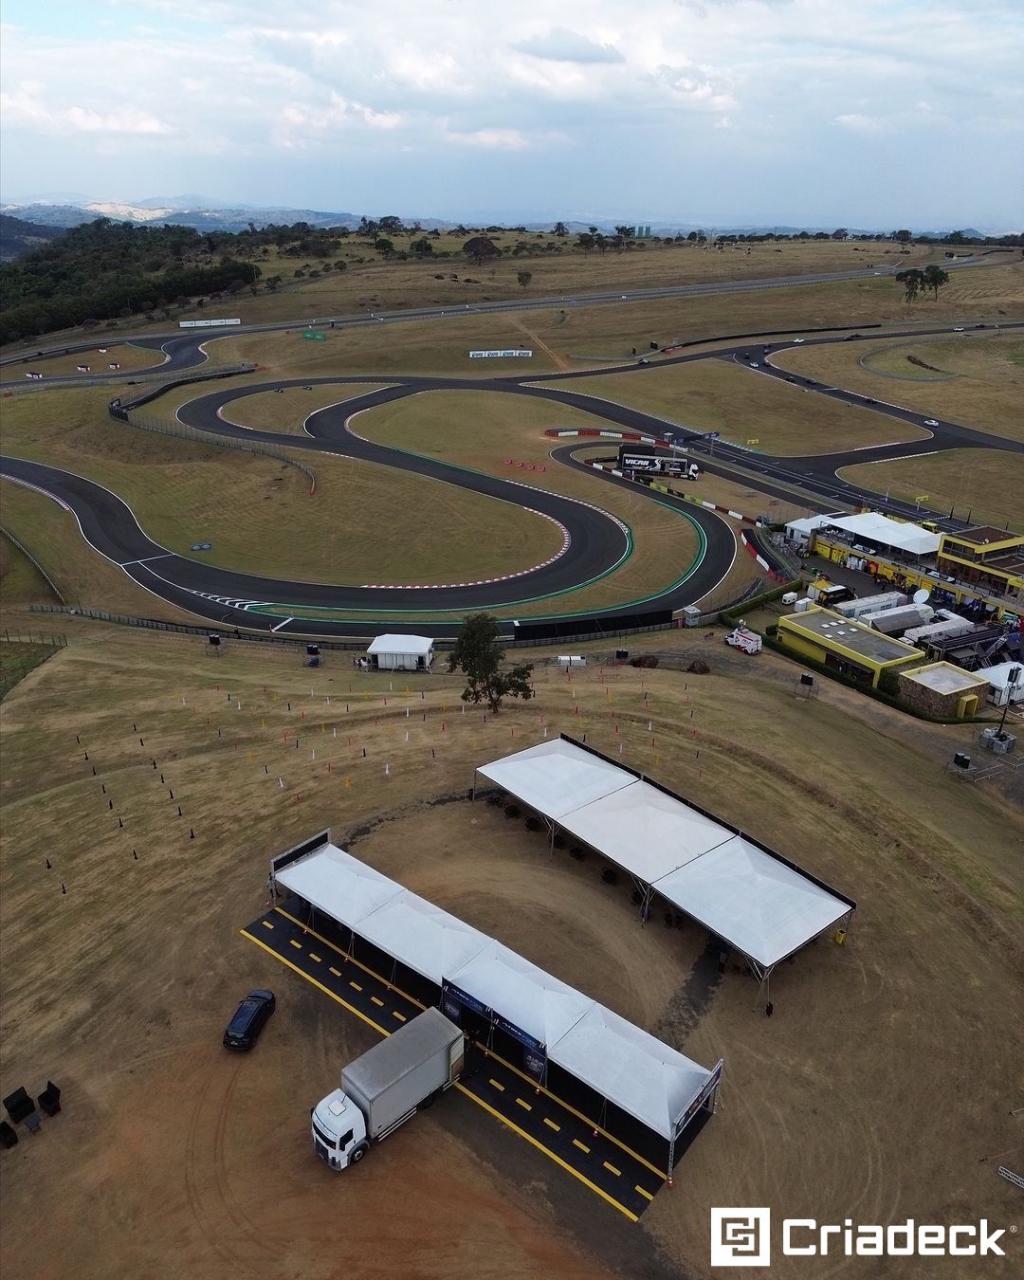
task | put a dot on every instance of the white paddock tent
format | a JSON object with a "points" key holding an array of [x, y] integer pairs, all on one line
{"points": [[610, 1070], [749, 896], [401, 653]]}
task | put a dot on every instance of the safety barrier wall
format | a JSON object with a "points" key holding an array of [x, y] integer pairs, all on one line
{"points": [[31, 558]]}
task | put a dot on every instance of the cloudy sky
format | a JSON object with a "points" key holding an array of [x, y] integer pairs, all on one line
{"points": [[855, 113]]}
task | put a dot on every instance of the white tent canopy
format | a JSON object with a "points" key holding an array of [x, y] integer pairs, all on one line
{"points": [[555, 777], [762, 906], [644, 830], [532, 1000], [644, 1077], [422, 936], [639, 1074], [333, 881], [415, 645], [900, 534], [748, 896]]}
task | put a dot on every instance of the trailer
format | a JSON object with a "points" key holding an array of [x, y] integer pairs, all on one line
{"points": [[387, 1086]]}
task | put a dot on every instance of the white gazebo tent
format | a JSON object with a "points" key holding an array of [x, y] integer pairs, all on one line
{"points": [[620, 1063], [334, 882], [401, 653], [421, 936], [646, 1078], [752, 898]]}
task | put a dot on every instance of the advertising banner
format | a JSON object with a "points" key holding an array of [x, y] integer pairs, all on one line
{"points": [[500, 355], [454, 999], [714, 1080], [204, 324]]}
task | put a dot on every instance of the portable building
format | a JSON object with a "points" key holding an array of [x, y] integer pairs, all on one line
{"points": [[401, 653]]}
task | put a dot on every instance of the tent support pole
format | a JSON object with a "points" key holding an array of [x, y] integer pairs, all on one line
{"points": [[472, 790], [671, 1159]]}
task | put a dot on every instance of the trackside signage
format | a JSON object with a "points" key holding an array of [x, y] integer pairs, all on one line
{"points": [[744, 1238], [514, 354], [205, 324]]}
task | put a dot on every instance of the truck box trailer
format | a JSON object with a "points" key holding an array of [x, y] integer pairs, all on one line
{"points": [[386, 1086], [871, 604]]}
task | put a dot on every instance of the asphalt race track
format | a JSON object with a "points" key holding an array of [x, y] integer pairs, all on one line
{"points": [[595, 543]]}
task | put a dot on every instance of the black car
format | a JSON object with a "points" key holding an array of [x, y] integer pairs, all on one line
{"points": [[244, 1028]]}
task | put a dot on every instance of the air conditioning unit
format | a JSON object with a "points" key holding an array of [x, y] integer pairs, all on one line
{"points": [[993, 740]]}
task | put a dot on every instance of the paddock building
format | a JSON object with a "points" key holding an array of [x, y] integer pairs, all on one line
{"points": [[845, 646], [943, 691]]}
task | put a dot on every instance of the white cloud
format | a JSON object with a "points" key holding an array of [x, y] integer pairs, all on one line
{"points": [[615, 100], [491, 139], [562, 45], [24, 107], [855, 122]]}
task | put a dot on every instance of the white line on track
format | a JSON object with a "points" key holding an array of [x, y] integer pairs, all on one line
{"points": [[282, 624]]}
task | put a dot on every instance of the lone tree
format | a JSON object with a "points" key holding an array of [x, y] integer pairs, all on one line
{"points": [[934, 278], [479, 656], [524, 277], [912, 281], [480, 248]]}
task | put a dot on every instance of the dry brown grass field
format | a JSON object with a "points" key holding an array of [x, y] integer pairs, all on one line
{"points": [[185, 492], [124, 354], [175, 1160], [976, 379], [748, 408], [484, 430], [378, 285], [986, 485], [287, 410], [589, 336]]}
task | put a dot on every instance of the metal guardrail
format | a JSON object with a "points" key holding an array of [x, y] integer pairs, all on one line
{"points": [[15, 541], [182, 432], [125, 410]]}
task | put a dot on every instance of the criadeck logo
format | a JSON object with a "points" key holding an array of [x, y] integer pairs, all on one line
{"points": [[742, 1238]]}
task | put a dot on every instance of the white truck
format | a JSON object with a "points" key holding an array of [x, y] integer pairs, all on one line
{"points": [[742, 638], [387, 1086]]}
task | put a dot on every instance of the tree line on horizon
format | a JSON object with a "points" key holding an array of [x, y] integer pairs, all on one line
{"points": [[105, 270]]}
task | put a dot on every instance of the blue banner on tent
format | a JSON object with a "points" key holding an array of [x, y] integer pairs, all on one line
{"points": [[453, 999], [518, 1034]]}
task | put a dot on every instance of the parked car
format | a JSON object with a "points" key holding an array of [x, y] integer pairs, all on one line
{"points": [[931, 422], [244, 1029]]}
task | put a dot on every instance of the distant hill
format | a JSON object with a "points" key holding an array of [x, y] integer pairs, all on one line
{"points": [[162, 213], [202, 213], [18, 236]]}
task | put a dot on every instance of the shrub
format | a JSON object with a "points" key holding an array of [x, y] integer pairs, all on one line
{"points": [[512, 811]]}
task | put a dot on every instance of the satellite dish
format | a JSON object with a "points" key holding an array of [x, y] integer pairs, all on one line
{"points": [[921, 595]]}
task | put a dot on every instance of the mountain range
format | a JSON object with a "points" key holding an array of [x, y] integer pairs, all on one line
{"points": [[204, 214]]}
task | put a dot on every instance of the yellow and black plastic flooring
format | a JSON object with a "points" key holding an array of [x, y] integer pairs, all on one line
{"points": [[621, 1177]]}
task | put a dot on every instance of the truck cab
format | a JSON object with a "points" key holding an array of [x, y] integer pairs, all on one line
{"points": [[339, 1131]]}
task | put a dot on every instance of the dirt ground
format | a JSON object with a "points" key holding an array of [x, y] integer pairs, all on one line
{"points": [[882, 1087]]}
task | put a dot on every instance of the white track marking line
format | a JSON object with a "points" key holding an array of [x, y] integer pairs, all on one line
{"points": [[282, 624]]}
